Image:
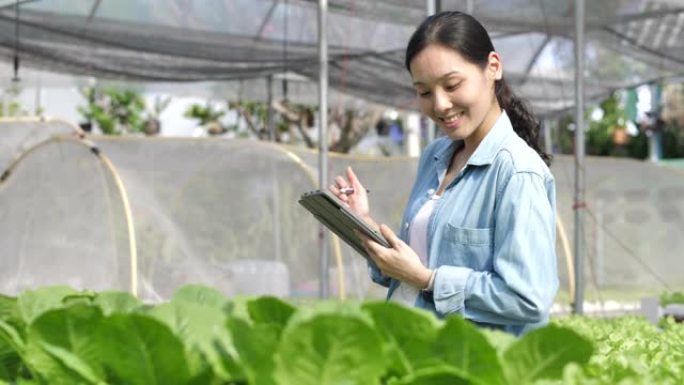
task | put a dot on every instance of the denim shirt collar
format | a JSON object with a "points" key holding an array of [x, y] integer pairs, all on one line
{"points": [[487, 149]]}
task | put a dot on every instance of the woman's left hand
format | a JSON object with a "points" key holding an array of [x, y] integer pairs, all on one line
{"points": [[399, 261]]}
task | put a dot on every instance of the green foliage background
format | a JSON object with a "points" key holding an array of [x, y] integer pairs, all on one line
{"points": [[599, 136]]}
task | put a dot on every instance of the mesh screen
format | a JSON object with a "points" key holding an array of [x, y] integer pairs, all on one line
{"points": [[20, 136], [62, 222], [204, 210], [629, 42], [633, 223], [225, 213]]}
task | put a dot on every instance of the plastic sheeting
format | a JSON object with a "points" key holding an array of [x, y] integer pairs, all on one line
{"points": [[224, 213]]}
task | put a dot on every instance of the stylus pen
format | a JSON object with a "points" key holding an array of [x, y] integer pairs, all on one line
{"points": [[349, 190]]}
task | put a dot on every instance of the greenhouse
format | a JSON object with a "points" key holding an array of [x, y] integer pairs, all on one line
{"points": [[198, 241]]}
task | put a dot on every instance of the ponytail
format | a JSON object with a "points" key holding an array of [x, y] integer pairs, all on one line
{"points": [[523, 121]]}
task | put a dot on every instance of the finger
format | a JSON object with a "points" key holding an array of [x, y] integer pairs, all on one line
{"points": [[343, 197], [335, 190], [374, 248], [341, 182], [353, 180], [390, 236], [377, 253], [365, 243]]}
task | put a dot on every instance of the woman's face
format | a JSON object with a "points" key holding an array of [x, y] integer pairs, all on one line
{"points": [[456, 94]]}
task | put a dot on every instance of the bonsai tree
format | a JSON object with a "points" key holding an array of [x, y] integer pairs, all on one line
{"points": [[255, 114], [296, 120], [208, 118], [114, 111], [152, 124]]}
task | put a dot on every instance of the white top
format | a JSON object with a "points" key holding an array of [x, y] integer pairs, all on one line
{"points": [[405, 293]]}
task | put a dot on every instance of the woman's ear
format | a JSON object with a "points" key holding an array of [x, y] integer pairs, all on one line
{"points": [[494, 66]]}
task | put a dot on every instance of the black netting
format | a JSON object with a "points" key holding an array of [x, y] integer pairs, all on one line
{"points": [[629, 42]]}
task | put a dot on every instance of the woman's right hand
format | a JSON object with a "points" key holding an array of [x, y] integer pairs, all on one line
{"points": [[357, 201]]}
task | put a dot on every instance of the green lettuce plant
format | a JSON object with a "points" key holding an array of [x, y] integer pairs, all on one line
{"points": [[57, 335]]}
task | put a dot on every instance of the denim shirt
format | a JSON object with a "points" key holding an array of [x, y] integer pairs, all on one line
{"points": [[492, 235]]}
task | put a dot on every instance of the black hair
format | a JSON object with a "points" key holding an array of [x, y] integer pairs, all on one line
{"points": [[464, 34]]}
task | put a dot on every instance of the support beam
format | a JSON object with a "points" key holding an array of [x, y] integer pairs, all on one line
{"points": [[93, 11], [270, 116], [560, 25], [655, 140], [15, 4], [323, 286], [579, 204], [547, 129], [432, 8], [267, 18], [535, 56]]}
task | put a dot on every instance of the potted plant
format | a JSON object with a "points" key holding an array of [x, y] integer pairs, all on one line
{"points": [[152, 125], [208, 118], [114, 111]]}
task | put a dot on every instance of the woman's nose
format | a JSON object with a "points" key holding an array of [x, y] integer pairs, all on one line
{"points": [[442, 103]]}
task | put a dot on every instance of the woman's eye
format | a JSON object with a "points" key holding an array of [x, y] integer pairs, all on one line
{"points": [[424, 94], [452, 87]]}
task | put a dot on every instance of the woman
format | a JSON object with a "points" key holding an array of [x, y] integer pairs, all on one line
{"points": [[478, 234]]}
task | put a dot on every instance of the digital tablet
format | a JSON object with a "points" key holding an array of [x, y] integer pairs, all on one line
{"points": [[335, 215]]}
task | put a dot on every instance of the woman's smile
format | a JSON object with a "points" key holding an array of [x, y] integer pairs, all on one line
{"points": [[453, 121]]}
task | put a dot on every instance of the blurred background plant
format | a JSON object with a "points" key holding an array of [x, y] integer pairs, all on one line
{"points": [[208, 116], [114, 111], [9, 103], [152, 124], [612, 132]]}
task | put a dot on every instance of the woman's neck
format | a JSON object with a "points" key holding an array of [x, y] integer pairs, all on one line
{"points": [[476, 137]]}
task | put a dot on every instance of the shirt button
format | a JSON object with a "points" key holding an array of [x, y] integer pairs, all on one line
{"points": [[430, 191], [406, 225]]}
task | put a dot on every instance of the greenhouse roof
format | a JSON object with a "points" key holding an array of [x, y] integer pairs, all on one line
{"points": [[237, 44]]}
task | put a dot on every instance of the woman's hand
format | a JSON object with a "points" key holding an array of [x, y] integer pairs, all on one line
{"points": [[357, 201], [399, 261]]}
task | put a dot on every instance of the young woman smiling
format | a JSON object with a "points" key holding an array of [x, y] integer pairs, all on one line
{"points": [[478, 232]]}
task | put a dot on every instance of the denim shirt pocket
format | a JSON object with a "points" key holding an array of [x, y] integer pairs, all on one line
{"points": [[468, 247]]}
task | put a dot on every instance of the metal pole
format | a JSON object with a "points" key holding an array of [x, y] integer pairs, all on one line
{"points": [[546, 125], [655, 140], [600, 259], [323, 137], [579, 157], [38, 109], [277, 233], [269, 105], [431, 6]]}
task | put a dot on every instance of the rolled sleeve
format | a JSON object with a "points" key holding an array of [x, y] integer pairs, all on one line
{"points": [[449, 290], [377, 276]]}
